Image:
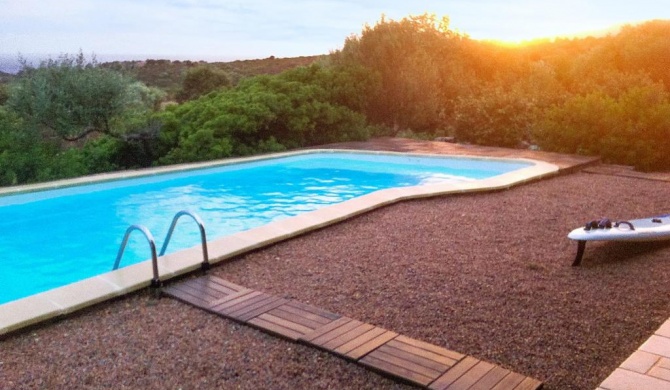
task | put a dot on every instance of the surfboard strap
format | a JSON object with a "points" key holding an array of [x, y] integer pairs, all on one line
{"points": [[630, 225], [605, 223]]}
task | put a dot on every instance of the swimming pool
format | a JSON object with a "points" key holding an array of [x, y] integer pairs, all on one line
{"points": [[63, 235]]}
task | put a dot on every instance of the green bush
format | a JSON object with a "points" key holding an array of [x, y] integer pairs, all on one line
{"points": [[261, 114], [633, 129]]}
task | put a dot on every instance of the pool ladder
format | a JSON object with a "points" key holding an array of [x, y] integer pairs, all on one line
{"points": [[156, 282]]}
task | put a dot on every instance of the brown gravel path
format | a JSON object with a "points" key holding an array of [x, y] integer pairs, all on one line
{"points": [[487, 275]]}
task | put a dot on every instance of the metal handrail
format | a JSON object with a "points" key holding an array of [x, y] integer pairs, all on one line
{"points": [[203, 236], [155, 282]]}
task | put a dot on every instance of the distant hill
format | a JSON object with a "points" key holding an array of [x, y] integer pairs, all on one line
{"points": [[5, 77], [167, 74]]}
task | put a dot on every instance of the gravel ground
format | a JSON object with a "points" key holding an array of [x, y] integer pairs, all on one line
{"points": [[487, 275]]}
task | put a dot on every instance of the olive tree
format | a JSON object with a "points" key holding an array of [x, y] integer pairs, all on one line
{"points": [[70, 98]]}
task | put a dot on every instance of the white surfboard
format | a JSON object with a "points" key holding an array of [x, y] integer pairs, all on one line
{"points": [[644, 229]]}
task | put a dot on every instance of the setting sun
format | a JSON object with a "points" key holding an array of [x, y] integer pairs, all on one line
{"points": [[524, 21], [549, 33]]}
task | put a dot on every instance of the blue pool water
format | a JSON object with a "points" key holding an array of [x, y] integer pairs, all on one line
{"points": [[52, 238]]}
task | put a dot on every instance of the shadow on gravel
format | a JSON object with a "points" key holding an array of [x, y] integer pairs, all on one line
{"points": [[604, 253]]}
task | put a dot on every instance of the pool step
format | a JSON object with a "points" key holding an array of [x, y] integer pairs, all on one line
{"points": [[381, 350]]}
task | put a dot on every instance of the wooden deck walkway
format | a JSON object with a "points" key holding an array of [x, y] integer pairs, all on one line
{"points": [[381, 350]]}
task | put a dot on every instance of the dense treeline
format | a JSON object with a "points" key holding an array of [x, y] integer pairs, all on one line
{"points": [[606, 96], [600, 96]]}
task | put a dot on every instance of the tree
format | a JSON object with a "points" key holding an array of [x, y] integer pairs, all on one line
{"points": [[632, 128], [503, 111], [200, 81], [70, 98], [19, 154], [412, 59], [265, 113]]}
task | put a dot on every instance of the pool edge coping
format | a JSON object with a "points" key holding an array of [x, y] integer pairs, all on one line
{"points": [[59, 302]]}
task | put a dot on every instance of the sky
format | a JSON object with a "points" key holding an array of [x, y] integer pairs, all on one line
{"points": [[228, 30]]}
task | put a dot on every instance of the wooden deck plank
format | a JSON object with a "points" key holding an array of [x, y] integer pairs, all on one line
{"points": [[418, 359], [400, 361], [260, 301], [296, 318], [347, 336], [452, 375], [255, 312], [430, 347], [321, 313], [196, 291], [275, 329], [491, 379], [336, 332], [290, 308], [206, 293], [216, 284], [269, 317], [387, 368], [510, 382], [206, 290], [473, 375], [234, 299], [529, 384], [227, 298], [371, 345], [308, 338], [357, 341], [184, 296], [201, 291], [437, 357], [253, 307]]}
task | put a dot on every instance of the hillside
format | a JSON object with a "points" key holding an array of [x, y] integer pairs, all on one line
{"points": [[167, 75]]}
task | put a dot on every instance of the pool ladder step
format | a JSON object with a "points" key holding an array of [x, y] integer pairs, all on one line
{"points": [[156, 282]]}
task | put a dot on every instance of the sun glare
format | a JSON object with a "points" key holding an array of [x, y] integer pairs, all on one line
{"points": [[538, 34]]}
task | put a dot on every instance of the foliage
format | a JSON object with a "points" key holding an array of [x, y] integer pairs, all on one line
{"points": [[200, 81], [19, 153], [4, 94], [635, 49], [503, 111], [410, 58], [70, 98], [69, 117], [169, 75], [601, 96], [493, 117], [632, 128], [262, 114], [606, 96], [26, 158]]}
